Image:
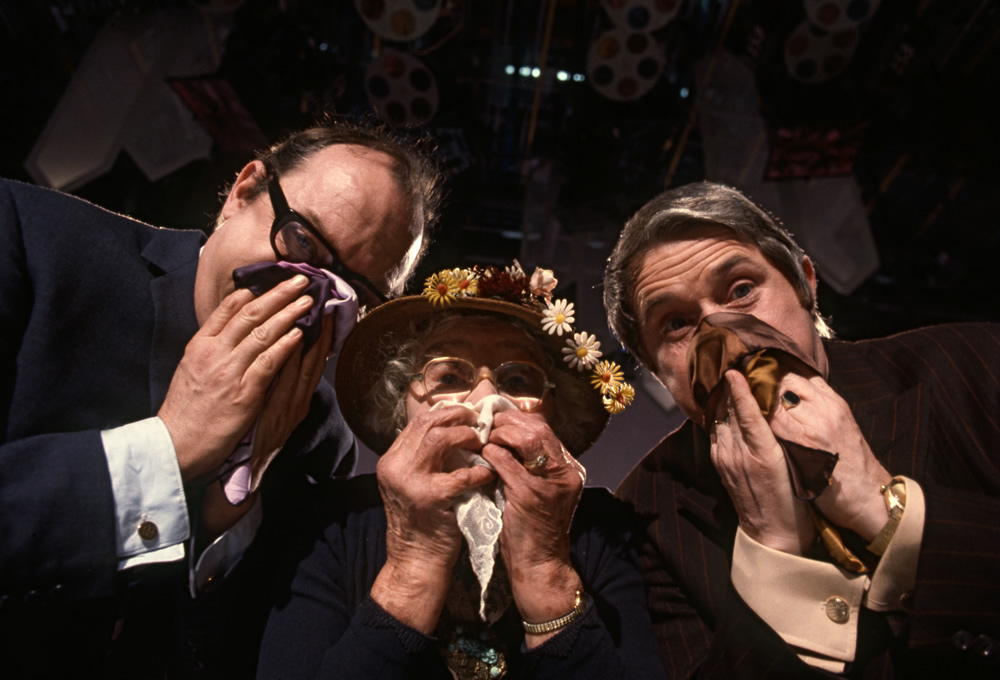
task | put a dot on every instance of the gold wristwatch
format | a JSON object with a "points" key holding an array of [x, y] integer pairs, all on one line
{"points": [[895, 502]]}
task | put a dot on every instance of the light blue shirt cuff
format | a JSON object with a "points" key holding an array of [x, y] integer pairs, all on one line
{"points": [[148, 493]]}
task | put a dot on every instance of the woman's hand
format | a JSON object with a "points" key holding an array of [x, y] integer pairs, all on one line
{"points": [[540, 503], [422, 538]]}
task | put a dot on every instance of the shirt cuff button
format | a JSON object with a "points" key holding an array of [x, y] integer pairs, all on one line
{"points": [[837, 609], [148, 530]]}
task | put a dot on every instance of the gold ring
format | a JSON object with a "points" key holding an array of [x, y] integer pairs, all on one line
{"points": [[538, 462]]}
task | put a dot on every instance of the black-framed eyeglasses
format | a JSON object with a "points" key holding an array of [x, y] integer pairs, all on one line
{"points": [[295, 239], [524, 383]]}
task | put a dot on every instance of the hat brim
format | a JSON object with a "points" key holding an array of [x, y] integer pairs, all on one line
{"points": [[362, 359]]}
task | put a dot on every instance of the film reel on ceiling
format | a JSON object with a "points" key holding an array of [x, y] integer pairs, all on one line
{"points": [[813, 55], [624, 65], [641, 15], [836, 15], [401, 89], [399, 20]]}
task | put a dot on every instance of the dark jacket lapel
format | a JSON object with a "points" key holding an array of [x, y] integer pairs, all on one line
{"points": [[894, 417], [173, 259]]}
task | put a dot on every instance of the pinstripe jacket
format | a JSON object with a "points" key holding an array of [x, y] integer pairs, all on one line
{"points": [[928, 402]]}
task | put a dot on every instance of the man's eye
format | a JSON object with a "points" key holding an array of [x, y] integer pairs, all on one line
{"points": [[741, 291], [675, 324], [303, 243], [298, 242]]}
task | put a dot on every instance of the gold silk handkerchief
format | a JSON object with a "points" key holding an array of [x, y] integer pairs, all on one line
{"points": [[763, 354]]}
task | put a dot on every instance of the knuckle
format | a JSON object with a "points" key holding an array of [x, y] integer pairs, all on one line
{"points": [[231, 303], [265, 362], [434, 438], [260, 334], [253, 311]]}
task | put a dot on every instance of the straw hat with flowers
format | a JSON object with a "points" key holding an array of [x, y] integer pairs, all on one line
{"points": [[485, 290]]}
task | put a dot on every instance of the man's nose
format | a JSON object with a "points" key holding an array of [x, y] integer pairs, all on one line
{"points": [[707, 309]]}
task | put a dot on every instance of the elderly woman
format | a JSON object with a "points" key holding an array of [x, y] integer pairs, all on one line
{"points": [[475, 551]]}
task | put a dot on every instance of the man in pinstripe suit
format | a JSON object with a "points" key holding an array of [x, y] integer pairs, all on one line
{"points": [[738, 584]]}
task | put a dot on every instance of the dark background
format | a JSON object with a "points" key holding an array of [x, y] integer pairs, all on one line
{"points": [[547, 170]]}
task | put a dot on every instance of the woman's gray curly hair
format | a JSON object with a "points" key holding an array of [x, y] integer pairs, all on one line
{"points": [[403, 359]]}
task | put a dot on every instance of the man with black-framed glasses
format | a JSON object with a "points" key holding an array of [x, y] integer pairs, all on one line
{"points": [[133, 368]]}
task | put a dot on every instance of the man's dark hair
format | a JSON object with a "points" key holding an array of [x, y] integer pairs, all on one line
{"points": [[416, 173], [670, 217]]}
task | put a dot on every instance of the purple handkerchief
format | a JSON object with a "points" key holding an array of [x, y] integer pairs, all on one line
{"points": [[241, 473], [331, 294]]}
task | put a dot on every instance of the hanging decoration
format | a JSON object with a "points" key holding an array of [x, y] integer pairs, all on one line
{"points": [[399, 20], [401, 89], [624, 65], [835, 15], [641, 15], [813, 55]]}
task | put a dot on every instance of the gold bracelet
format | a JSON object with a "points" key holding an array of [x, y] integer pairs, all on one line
{"points": [[895, 502], [557, 624]]}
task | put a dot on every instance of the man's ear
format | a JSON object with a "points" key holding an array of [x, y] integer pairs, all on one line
{"points": [[810, 272], [244, 189]]}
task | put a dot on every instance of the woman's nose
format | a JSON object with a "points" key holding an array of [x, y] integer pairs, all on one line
{"points": [[484, 387]]}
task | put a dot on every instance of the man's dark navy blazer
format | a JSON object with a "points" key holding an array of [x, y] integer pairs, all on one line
{"points": [[95, 312]]}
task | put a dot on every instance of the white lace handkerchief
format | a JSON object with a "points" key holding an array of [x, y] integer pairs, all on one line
{"points": [[479, 513]]}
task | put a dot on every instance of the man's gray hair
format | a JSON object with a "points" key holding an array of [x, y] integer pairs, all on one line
{"points": [[670, 217]]}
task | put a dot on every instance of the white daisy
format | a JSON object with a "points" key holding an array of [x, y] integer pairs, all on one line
{"points": [[582, 351], [558, 317]]}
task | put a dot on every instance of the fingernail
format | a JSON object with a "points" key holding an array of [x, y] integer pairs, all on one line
{"points": [[304, 301], [299, 280], [295, 332]]}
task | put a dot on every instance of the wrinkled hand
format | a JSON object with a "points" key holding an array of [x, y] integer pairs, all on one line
{"points": [[753, 470], [418, 489], [221, 383], [540, 503], [822, 420]]}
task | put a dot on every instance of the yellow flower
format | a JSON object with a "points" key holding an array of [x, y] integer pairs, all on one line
{"points": [[467, 282], [441, 288], [607, 376], [618, 397]]}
